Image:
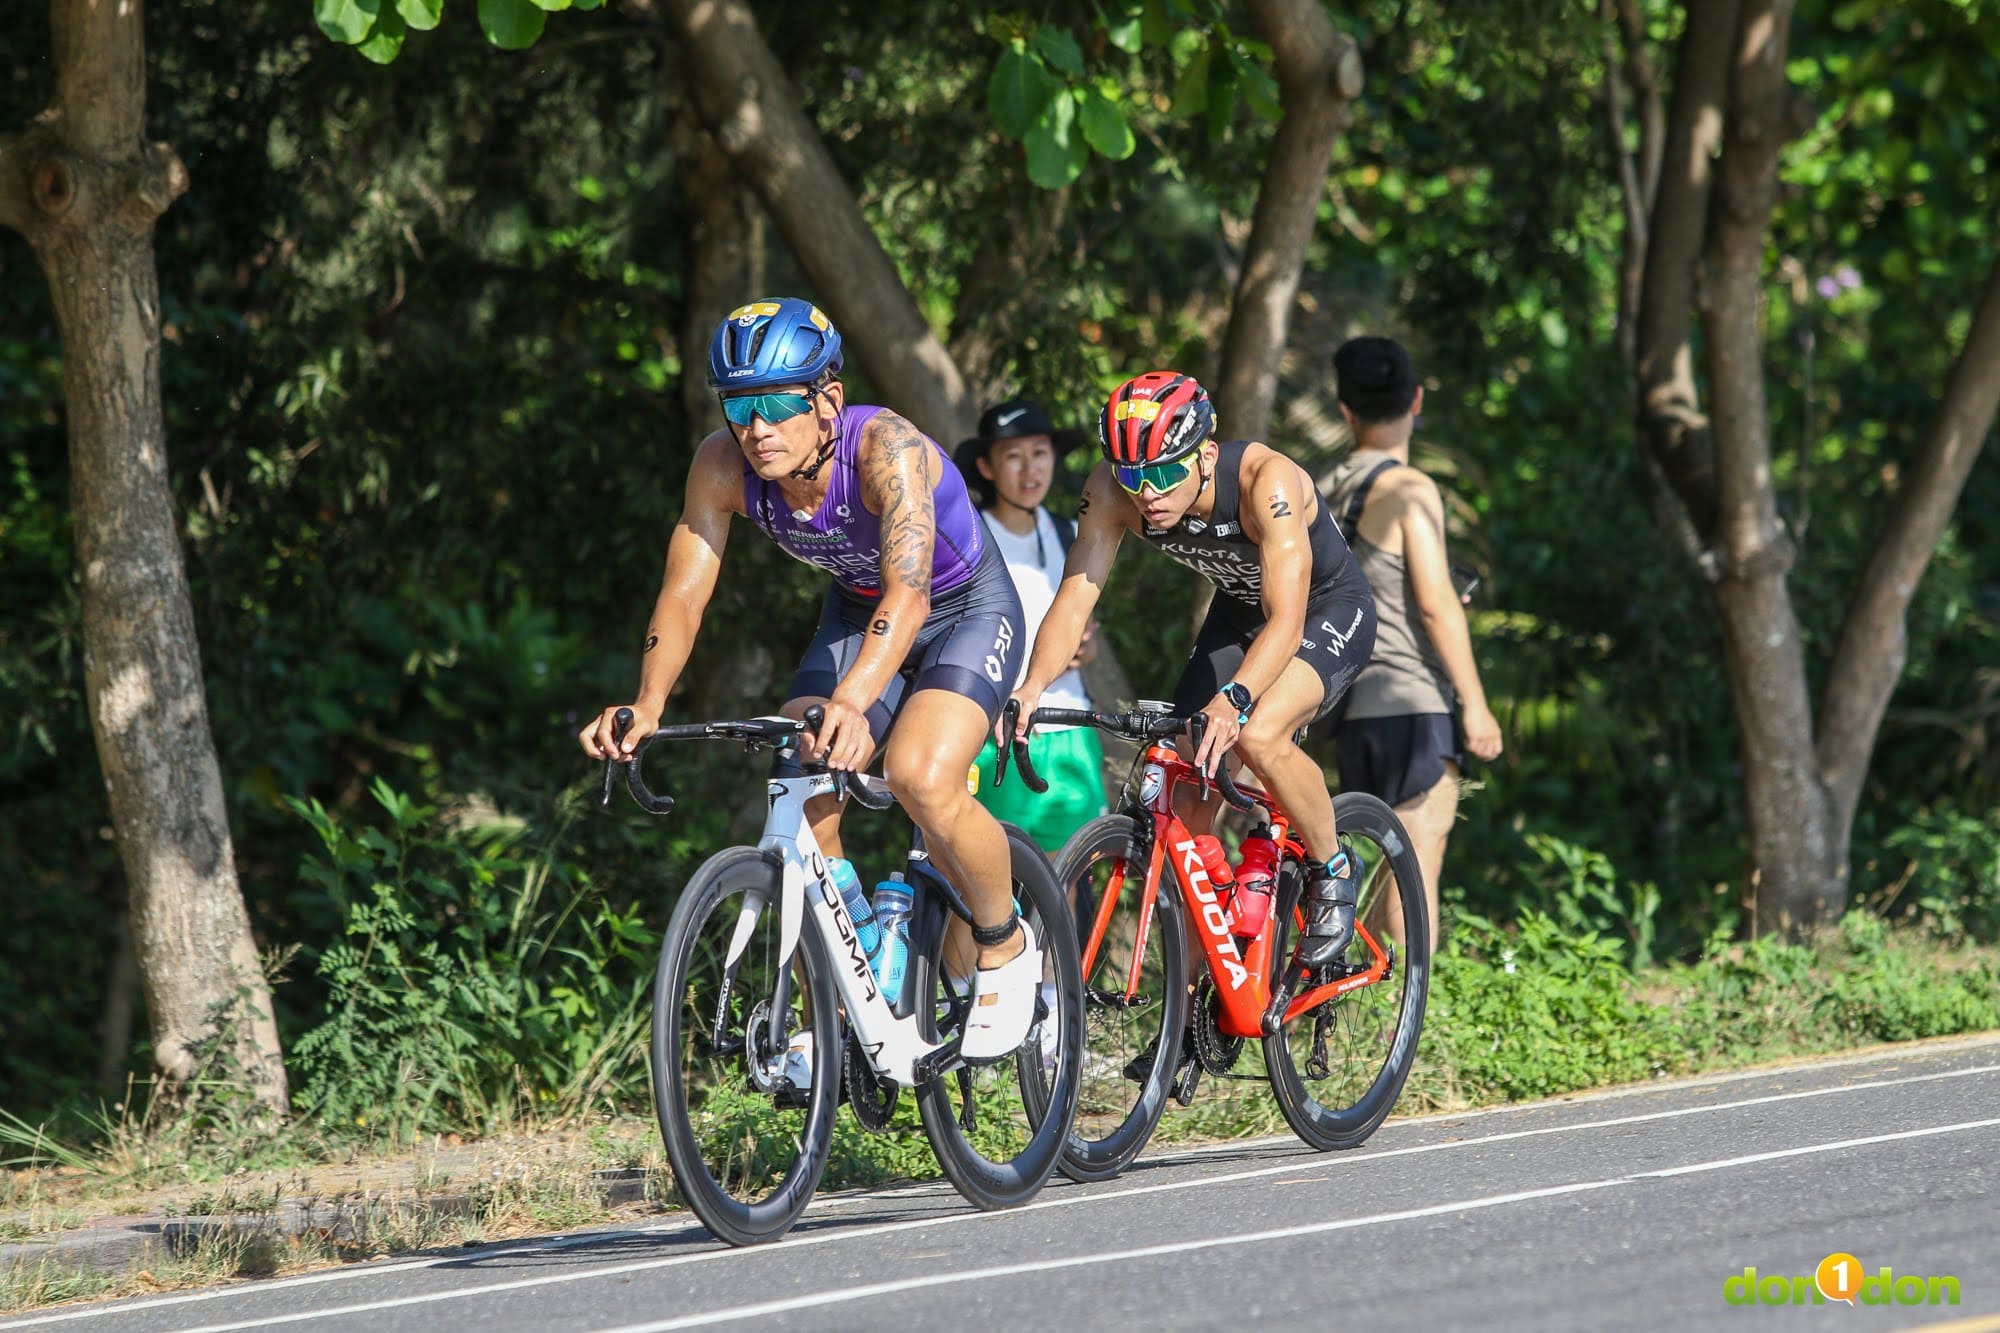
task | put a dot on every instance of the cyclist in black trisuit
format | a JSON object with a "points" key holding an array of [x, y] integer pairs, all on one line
{"points": [[1291, 626]]}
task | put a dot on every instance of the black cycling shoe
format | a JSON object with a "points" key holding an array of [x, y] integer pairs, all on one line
{"points": [[1141, 1065], [1330, 928]]}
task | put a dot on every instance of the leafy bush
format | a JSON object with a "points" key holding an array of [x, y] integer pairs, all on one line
{"points": [[477, 973]]}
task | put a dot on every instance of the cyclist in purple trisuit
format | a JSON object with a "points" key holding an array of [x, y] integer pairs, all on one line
{"points": [[917, 638], [1290, 628]]}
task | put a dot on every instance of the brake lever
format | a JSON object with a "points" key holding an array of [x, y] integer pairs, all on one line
{"points": [[1010, 717], [1198, 727], [621, 722], [1022, 763], [815, 718]]}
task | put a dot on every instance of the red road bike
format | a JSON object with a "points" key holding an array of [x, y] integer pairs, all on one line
{"points": [[1338, 1041]]}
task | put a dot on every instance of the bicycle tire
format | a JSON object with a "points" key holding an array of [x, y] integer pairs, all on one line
{"points": [[724, 1116], [1099, 1146], [1383, 1021], [1047, 1099]]}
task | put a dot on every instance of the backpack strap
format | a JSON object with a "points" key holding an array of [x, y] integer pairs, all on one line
{"points": [[1355, 505], [1065, 530]]}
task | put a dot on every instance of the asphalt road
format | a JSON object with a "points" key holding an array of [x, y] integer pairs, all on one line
{"points": [[1627, 1210]]}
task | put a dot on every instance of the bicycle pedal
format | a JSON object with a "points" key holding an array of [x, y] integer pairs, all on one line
{"points": [[785, 1097], [1185, 1080]]}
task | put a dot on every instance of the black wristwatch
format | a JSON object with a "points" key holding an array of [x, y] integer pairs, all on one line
{"points": [[1239, 699]]}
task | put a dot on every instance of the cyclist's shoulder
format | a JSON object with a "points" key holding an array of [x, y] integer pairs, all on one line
{"points": [[717, 472]]}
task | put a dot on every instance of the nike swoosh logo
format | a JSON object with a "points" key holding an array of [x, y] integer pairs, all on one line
{"points": [[1011, 417]]}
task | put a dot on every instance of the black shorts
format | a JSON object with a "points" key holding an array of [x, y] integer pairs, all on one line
{"points": [[1339, 637], [1396, 758], [970, 644]]}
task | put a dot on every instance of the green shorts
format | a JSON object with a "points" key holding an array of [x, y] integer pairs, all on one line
{"points": [[1072, 762]]}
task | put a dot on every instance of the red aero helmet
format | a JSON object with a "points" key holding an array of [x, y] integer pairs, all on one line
{"points": [[1156, 417]]}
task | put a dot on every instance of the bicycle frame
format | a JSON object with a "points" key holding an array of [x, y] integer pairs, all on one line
{"points": [[1241, 969], [893, 1044]]}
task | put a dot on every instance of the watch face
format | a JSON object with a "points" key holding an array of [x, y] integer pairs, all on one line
{"points": [[1238, 696]]}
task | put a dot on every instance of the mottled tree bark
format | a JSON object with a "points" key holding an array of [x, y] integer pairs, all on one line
{"points": [[1319, 76], [1799, 874], [85, 191]]}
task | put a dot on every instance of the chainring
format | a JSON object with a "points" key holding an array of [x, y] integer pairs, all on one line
{"points": [[1216, 1052], [872, 1096]]}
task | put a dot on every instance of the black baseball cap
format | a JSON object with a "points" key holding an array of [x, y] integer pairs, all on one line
{"points": [[1377, 381], [1007, 421]]}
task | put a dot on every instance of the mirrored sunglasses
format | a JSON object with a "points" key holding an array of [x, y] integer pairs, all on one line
{"points": [[1162, 477], [773, 407]]}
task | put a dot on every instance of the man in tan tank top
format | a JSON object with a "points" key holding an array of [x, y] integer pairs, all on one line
{"points": [[1395, 737]]}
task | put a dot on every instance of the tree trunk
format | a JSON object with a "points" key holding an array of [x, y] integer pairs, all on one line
{"points": [[748, 103], [1873, 637], [1800, 876], [1319, 75], [1671, 423], [85, 192]]}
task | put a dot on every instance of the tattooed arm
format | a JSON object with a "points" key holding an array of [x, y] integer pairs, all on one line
{"points": [[694, 561], [899, 470]]}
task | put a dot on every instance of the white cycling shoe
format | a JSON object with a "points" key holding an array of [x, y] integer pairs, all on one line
{"points": [[996, 1027], [797, 1066]]}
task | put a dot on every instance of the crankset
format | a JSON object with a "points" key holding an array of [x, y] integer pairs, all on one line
{"points": [[872, 1096], [1215, 1050]]}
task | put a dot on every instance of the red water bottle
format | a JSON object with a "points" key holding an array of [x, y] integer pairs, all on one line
{"points": [[1215, 860], [1255, 879]]}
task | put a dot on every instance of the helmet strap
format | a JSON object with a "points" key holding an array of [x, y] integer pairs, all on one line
{"points": [[826, 448]]}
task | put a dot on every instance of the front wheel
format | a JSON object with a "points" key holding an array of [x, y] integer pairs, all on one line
{"points": [[999, 1129], [1135, 996], [1338, 1068], [747, 1142]]}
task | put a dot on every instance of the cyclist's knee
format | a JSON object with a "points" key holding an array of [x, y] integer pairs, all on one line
{"points": [[1264, 739], [923, 786]]}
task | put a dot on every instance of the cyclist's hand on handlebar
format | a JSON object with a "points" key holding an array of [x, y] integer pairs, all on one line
{"points": [[1222, 732], [1030, 700], [843, 740], [597, 738]]}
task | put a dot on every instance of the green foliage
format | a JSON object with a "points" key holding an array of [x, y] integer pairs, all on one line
{"points": [[474, 975], [1045, 93], [1539, 1010], [1951, 872]]}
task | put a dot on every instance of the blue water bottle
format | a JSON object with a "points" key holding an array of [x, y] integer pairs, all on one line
{"points": [[892, 913], [865, 927]]}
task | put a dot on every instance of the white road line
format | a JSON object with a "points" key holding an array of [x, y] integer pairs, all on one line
{"points": [[873, 1290], [1064, 1200]]}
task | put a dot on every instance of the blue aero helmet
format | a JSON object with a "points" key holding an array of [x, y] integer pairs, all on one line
{"points": [[765, 343]]}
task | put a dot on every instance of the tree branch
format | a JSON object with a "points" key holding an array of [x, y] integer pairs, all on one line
{"points": [[1869, 658], [744, 97], [1671, 422], [1319, 74]]}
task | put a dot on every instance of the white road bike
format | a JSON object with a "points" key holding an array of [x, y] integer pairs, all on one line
{"points": [[761, 979]]}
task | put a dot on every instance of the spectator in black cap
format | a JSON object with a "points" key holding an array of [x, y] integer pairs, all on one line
{"points": [[1010, 467], [1395, 736]]}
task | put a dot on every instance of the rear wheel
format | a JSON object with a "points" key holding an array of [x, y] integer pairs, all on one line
{"points": [[1135, 997], [999, 1129], [747, 1146], [1338, 1068]]}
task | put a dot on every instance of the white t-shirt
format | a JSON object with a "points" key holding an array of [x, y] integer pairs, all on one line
{"points": [[1035, 563]]}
